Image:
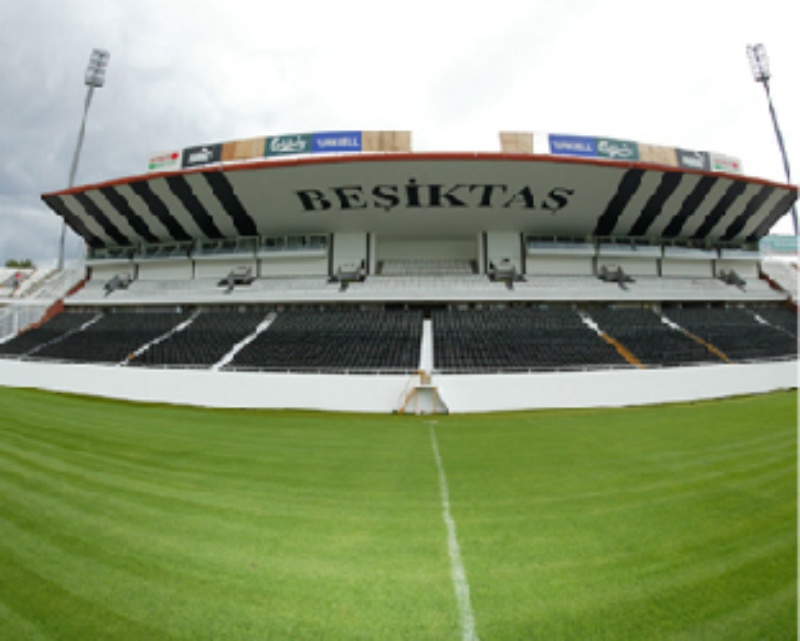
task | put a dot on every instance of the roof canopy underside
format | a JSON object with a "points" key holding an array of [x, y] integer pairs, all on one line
{"points": [[430, 195]]}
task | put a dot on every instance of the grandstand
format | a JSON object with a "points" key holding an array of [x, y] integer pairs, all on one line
{"points": [[386, 280]]}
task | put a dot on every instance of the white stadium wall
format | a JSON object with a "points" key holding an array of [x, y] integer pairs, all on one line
{"points": [[686, 269], [384, 394], [292, 264], [612, 388], [219, 268], [553, 265], [421, 248], [105, 272], [174, 269], [684, 262], [560, 259], [744, 263], [634, 260], [349, 249], [504, 245]]}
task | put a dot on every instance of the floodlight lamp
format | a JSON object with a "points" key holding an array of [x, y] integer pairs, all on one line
{"points": [[759, 62], [99, 56], [94, 79], [96, 70]]}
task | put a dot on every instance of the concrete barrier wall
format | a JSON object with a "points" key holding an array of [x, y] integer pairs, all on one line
{"points": [[205, 388], [612, 388], [384, 394]]}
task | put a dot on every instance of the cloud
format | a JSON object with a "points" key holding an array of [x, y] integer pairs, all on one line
{"points": [[189, 72]]}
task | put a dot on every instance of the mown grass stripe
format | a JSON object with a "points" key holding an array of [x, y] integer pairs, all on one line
{"points": [[19, 626]]}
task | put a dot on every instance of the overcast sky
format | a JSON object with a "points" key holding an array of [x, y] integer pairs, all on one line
{"points": [[188, 72]]}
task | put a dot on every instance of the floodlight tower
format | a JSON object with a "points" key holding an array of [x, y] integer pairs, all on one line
{"points": [[94, 78], [759, 64]]}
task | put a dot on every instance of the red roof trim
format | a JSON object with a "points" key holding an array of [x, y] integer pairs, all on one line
{"points": [[368, 157]]}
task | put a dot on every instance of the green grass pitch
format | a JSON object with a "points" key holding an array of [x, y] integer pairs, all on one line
{"points": [[126, 521]]}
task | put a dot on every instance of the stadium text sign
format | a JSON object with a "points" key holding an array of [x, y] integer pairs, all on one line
{"points": [[415, 195]]}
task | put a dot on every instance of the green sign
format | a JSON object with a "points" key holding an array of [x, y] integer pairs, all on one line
{"points": [[779, 245], [289, 145], [617, 149]]}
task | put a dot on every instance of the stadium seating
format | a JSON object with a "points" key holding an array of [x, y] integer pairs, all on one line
{"points": [[653, 342], [204, 341], [785, 274], [336, 338], [781, 316], [517, 338], [735, 332], [113, 338], [380, 338], [34, 340]]}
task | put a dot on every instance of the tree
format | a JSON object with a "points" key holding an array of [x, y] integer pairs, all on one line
{"points": [[26, 263]]}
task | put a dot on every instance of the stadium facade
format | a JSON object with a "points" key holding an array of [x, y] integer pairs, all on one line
{"points": [[595, 272]]}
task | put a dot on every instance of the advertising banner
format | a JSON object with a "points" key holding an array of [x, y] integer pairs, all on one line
{"points": [[336, 141], [694, 159], [243, 149], [572, 145], [204, 155], [168, 161], [728, 164], [614, 149], [289, 145]]}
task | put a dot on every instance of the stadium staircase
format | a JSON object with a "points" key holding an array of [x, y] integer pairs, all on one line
{"points": [[421, 396], [38, 299]]}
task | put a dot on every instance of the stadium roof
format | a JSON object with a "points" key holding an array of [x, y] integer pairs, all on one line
{"points": [[426, 195]]}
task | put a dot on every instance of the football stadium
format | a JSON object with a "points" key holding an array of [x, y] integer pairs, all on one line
{"points": [[343, 271], [321, 385]]}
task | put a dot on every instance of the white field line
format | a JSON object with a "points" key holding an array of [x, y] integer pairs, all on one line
{"points": [[460, 584]]}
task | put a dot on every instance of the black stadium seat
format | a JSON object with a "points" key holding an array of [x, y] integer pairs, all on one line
{"points": [[336, 339], [32, 341], [113, 338], [524, 338]]}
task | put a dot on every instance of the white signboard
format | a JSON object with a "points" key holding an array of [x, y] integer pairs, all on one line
{"points": [[168, 161], [727, 164]]}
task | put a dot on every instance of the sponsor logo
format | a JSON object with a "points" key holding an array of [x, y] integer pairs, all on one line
{"points": [[160, 162], [572, 145], [416, 195], [617, 149], [194, 156], [694, 159], [204, 155], [283, 145], [337, 141], [728, 164]]}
